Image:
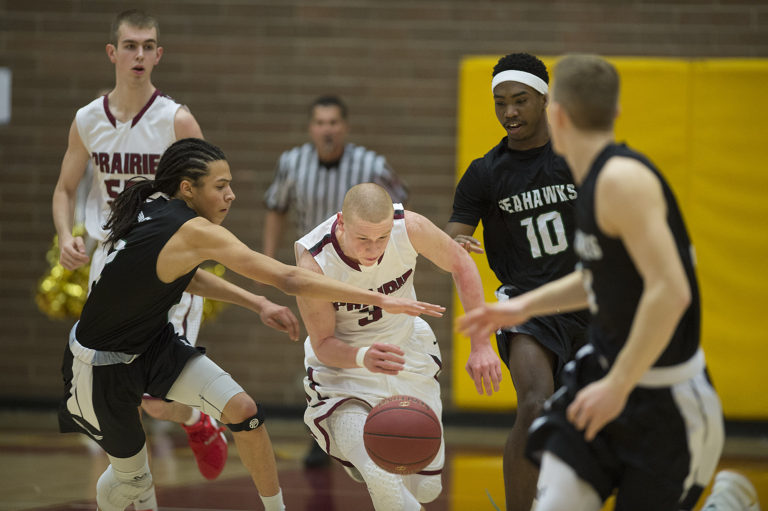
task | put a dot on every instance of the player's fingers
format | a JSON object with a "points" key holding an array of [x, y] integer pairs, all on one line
{"points": [[71, 262], [591, 430], [431, 309], [388, 348], [294, 331], [392, 358], [292, 325], [490, 385], [572, 412], [389, 367], [471, 373], [79, 245], [276, 324]]}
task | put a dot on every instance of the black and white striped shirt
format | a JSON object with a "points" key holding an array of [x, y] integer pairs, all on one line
{"points": [[317, 191]]}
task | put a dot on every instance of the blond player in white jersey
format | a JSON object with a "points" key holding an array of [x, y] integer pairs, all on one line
{"points": [[123, 134], [356, 354]]}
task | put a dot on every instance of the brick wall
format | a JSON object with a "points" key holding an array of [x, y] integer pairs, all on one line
{"points": [[248, 69]]}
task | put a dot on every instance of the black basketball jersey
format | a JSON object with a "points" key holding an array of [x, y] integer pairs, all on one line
{"points": [[128, 305], [525, 200], [615, 282]]}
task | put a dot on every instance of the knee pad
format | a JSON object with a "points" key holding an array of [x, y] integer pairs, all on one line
{"points": [[425, 488], [117, 490], [250, 423]]}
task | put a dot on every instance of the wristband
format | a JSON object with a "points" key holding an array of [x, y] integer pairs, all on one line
{"points": [[360, 356]]}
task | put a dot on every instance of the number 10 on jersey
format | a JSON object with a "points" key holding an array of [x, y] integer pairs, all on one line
{"points": [[539, 231]]}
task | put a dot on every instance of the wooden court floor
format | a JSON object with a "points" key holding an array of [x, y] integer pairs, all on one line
{"points": [[41, 469]]}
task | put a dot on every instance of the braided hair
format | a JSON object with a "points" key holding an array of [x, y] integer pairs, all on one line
{"points": [[187, 158]]}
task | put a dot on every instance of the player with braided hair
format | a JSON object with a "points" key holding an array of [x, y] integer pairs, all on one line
{"points": [[124, 344], [122, 134], [523, 192]]}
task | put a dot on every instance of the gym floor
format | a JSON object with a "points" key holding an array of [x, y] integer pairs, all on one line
{"points": [[41, 469]]}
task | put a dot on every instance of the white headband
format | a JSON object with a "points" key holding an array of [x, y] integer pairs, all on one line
{"points": [[522, 77]]}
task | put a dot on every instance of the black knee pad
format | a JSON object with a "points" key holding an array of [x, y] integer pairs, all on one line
{"points": [[250, 423]]}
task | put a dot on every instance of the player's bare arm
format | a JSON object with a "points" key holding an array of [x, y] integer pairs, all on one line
{"points": [[462, 234], [483, 365], [630, 205], [200, 240], [273, 315], [71, 249], [185, 125], [320, 320], [565, 294]]}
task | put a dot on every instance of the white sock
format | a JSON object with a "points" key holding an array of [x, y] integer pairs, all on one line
{"points": [[274, 503], [193, 418]]}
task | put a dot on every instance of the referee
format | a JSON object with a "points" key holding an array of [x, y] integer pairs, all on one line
{"points": [[314, 177]]}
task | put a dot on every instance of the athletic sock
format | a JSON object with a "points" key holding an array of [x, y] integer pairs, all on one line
{"points": [[193, 418], [274, 503]]}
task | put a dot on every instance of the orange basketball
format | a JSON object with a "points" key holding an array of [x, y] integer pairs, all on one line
{"points": [[402, 434]]}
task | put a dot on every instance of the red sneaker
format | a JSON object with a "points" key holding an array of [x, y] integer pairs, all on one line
{"points": [[209, 445]]}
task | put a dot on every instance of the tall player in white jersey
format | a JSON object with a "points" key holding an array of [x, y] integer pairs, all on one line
{"points": [[123, 134], [357, 354]]}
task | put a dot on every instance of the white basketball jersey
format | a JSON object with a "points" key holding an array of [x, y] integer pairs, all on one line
{"points": [[361, 324], [120, 151], [326, 387]]}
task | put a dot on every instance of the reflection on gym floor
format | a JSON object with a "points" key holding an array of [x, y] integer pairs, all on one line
{"points": [[41, 469]]}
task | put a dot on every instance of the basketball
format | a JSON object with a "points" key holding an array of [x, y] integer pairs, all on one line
{"points": [[402, 434]]}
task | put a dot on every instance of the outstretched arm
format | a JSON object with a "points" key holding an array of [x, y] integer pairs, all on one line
{"points": [[483, 364], [71, 249], [630, 205], [565, 294], [199, 240], [274, 316]]}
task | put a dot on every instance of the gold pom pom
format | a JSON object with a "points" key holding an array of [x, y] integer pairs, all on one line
{"points": [[61, 293], [212, 308]]}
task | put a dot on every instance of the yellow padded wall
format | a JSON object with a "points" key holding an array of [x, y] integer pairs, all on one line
{"points": [[729, 225], [702, 124]]}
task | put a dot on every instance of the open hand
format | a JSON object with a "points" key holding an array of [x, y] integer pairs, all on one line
{"points": [[484, 367], [411, 307], [482, 321]]}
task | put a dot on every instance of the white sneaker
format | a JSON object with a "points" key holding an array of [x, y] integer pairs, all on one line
{"points": [[732, 492], [356, 475]]}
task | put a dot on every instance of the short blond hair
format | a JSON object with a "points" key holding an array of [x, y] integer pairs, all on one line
{"points": [[367, 201], [587, 87]]}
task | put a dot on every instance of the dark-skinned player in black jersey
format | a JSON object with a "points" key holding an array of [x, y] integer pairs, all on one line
{"points": [[523, 192]]}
